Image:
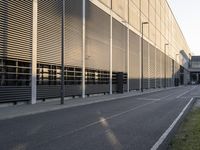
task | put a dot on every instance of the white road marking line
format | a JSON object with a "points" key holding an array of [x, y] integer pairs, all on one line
{"points": [[166, 133], [185, 92], [149, 99]]}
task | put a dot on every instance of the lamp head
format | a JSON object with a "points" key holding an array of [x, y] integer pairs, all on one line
{"points": [[145, 22]]}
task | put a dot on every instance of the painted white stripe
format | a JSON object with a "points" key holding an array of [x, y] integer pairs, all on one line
{"points": [[149, 99], [185, 92], [166, 133]]}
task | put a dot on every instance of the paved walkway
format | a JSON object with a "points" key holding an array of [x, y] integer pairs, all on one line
{"points": [[23, 110]]}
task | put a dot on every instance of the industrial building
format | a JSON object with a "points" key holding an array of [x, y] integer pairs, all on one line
{"points": [[195, 70], [110, 46]]}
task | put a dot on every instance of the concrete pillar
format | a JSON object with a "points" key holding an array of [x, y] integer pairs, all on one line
{"points": [[128, 67], [83, 53], [34, 54], [111, 51]]}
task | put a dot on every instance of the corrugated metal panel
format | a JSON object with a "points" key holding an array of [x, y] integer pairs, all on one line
{"points": [[152, 65], [49, 31], [49, 45], [134, 61], [15, 45], [46, 91], [97, 38], [158, 69], [145, 65], [173, 72], [177, 70], [16, 29], [162, 68], [97, 88], [14, 94], [73, 31], [169, 71], [119, 47]]}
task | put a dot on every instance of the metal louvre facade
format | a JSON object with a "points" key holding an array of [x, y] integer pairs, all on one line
{"points": [[146, 65], [97, 48], [100, 40], [158, 69], [119, 47], [119, 50], [49, 48], [134, 61], [152, 66], [15, 50]]}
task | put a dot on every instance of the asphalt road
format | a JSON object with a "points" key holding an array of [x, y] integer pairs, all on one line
{"points": [[134, 123]]}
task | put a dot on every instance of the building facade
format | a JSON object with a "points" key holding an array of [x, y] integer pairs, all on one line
{"points": [[103, 44], [195, 70]]}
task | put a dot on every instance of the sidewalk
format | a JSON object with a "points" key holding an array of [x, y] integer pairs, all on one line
{"points": [[24, 110]]}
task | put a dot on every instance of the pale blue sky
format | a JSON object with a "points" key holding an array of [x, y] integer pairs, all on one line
{"points": [[187, 13]]}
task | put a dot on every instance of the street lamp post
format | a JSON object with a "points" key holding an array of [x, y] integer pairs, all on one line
{"points": [[142, 76], [165, 63], [62, 54]]}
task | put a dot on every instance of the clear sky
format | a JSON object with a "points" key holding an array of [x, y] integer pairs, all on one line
{"points": [[187, 13]]}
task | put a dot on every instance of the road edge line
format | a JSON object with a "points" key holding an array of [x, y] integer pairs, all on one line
{"points": [[167, 132]]}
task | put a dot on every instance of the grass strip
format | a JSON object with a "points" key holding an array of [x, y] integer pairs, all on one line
{"points": [[188, 135]]}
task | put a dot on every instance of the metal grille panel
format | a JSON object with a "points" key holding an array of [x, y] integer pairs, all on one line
{"points": [[162, 58], [16, 29], [15, 50], [152, 65], [158, 69], [49, 31], [134, 61], [97, 38], [14, 94], [145, 65], [73, 33], [119, 47]]}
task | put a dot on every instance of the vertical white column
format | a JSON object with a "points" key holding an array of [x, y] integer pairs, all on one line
{"points": [[149, 67], [111, 51], [83, 53], [140, 63], [128, 67], [34, 54]]}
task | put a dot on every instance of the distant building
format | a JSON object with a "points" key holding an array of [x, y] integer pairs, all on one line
{"points": [[195, 69]]}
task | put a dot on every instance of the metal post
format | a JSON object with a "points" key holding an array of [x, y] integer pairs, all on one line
{"points": [[83, 52], [62, 54], [34, 54]]}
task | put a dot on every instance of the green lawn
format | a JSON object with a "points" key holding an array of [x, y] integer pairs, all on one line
{"points": [[188, 135]]}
